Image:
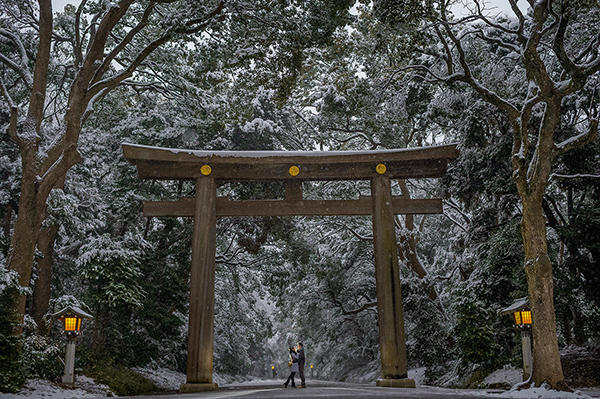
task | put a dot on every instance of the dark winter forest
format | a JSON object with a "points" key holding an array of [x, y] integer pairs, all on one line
{"points": [[519, 93]]}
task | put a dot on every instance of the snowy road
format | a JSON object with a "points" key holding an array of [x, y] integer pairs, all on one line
{"points": [[350, 392], [262, 388], [358, 391]]}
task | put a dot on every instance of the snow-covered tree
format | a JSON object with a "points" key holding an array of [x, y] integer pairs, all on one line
{"points": [[99, 55], [527, 67]]}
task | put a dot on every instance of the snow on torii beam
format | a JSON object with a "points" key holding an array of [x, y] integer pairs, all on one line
{"points": [[177, 164]]}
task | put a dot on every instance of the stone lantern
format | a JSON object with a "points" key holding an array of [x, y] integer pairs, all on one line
{"points": [[72, 317], [522, 322]]}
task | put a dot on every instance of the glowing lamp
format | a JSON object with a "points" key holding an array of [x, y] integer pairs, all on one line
{"points": [[521, 313], [72, 316], [523, 318], [72, 323]]}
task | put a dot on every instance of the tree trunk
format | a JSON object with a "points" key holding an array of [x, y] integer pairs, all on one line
{"points": [[546, 358], [32, 201], [7, 222], [41, 289], [32, 210]]}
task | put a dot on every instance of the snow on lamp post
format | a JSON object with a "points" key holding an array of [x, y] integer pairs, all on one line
{"points": [[72, 317], [522, 322]]}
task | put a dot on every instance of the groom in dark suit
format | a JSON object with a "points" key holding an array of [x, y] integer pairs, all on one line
{"points": [[301, 363]]}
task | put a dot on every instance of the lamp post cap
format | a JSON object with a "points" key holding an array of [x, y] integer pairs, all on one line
{"points": [[518, 304], [73, 310]]}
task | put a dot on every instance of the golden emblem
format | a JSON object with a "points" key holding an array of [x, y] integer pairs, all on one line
{"points": [[205, 170]]}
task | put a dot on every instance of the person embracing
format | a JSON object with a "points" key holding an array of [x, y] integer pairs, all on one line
{"points": [[293, 363], [301, 363]]}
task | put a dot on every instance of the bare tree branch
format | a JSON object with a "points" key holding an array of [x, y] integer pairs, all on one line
{"points": [[21, 68], [118, 48], [579, 140], [575, 176], [452, 204], [340, 305], [113, 81], [77, 45], [12, 126]]}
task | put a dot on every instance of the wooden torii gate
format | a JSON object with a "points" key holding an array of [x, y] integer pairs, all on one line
{"points": [[206, 168]]}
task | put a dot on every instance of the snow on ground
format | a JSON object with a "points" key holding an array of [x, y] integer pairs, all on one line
{"points": [[507, 375], [170, 380], [418, 375], [44, 389], [541, 393], [163, 378]]}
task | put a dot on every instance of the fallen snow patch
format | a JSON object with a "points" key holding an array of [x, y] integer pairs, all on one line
{"points": [[508, 375], [43, 389], [541, 393], [163, 378], [418, 375]]}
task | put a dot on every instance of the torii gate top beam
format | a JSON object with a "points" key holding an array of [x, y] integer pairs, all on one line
{"points": [[179, 164]]}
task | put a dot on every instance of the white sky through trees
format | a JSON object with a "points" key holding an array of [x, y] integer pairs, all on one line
{"points": [[495, 6]]}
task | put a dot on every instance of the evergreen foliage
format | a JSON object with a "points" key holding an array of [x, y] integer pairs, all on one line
{"points": [[122, 381], [12, 366], [41, 355]]}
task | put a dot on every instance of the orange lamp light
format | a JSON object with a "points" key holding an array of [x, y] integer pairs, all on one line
{"points": [[523, 318], [72, 323]]}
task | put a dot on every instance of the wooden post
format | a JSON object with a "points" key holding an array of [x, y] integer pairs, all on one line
{"points": [[293, 190], [202, 290], [389, 297]]}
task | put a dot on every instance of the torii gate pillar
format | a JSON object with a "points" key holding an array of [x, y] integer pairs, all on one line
{"points": [[202, 290], [392, 344]]}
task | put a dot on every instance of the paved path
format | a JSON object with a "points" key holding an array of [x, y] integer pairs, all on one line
{"points": [[335, 390], [354, 392]]}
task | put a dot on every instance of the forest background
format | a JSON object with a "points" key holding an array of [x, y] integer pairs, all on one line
{"points": [[279, 75]]}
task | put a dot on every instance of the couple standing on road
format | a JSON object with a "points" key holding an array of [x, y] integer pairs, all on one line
{"points": [[297, 360]]}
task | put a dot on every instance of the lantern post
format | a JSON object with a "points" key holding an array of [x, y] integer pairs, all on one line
{"points": [[522, 322], [72, 317]]}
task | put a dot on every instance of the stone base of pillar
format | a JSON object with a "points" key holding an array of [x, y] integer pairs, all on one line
{"points": [[198, 387], [396, 383], [68, 384]]}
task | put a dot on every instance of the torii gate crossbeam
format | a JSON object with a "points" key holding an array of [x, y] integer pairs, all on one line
{"points": [[207, 168]]}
